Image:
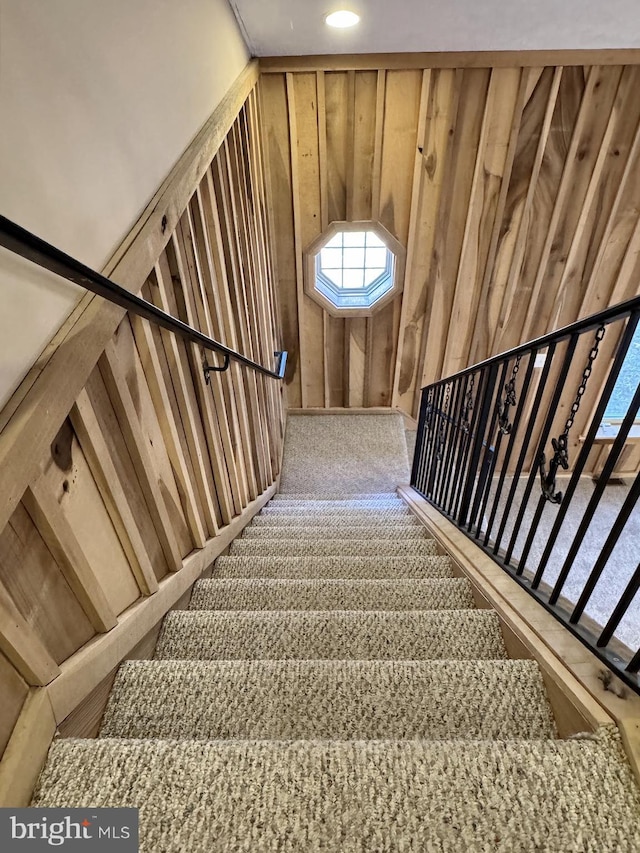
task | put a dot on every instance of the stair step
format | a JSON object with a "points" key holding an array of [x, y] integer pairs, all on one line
{"points": [[287, 700], [337, 522], [326, 547], [381, 531], [353, 796], [338, 505], [365, 568], [341, 634], [309, 512], [296, 497], [270, 594]]}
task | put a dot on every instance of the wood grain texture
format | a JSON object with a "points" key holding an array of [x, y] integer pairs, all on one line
{"points": [[512, 185], [26, 436], [84, 672], [26, 752], [14, 692], [62, 542], [444, 59], [149, 461], [39, 591]]}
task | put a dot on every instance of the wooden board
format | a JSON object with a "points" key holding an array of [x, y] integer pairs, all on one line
{"points": [[69, 480], [14, 692], [578, 699], [27, 750], [514, 188], [450, 59], [117, 458], [39, 590], [107, 424]]}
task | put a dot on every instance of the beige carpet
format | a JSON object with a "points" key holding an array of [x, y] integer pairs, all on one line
{"points": [[332, 594], [344, 453], [331, 634], [339, 692], [326, 699], [336, 566], [358, 796]]}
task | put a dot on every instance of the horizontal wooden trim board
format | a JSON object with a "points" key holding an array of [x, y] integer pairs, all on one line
{"points": [[373, 410], [454, 59], [550, 643]]}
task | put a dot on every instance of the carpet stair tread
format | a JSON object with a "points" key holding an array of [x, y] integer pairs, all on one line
{"points": [[334, 594], [290, 700], [380, 532], [333, 566], [342, 503], [330, 634], [289, 497], [328, 546], [308, 512], [573, 796], [336, 522]]}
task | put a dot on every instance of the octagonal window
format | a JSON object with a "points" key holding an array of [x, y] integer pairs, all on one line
{"points": [[354, 268]]}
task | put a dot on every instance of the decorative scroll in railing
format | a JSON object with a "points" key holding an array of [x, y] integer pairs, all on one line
{"points": [[504, 449]]}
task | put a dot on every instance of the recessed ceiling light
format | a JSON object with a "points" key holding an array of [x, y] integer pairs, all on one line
{"points": [[342, 19]]}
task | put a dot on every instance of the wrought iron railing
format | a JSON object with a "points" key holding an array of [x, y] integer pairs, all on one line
{"points": [[27, 245], [511, 451]]}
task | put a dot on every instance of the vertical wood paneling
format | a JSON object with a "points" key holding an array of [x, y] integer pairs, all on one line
{"points": [[418, 303], [515, 192], [531, 145], [39, 590], [454, 213], [14, 693], [399, 144], [153, 461], [69, 481], [493, 149], [303, 100], [273, 93], [113, 494], [109, 428]]}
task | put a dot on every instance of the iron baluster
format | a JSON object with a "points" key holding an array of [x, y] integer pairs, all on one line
{"points": [[509, 400], [560, 458], [468, 406], [444, 415]]}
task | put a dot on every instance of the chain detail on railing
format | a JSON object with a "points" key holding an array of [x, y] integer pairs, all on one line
{"points": [[479, 460], [444, 419], [560, 445], [468, 406], [509, 400]]}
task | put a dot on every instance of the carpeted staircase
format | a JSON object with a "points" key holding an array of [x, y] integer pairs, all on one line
{"points": [[333, 688]]}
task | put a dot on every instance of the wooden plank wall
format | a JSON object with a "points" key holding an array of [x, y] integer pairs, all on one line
{"points": [[151, 462], [516, 192]]}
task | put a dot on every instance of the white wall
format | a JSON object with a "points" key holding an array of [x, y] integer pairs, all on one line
{"points": [[97, 102]]}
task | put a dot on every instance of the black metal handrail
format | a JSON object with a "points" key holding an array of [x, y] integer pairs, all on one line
{"points": [[484, 442], [33, 248]]}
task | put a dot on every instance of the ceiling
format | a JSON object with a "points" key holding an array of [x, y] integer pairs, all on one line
{"points": [[296, 27]]}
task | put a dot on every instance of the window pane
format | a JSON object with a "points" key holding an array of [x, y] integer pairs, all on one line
{"points": [[335, 241], [354, 258], [331, 259], [371, 274], [352, 278], [335, 276], [374, 240], [354, 238], [626, 383], [376, 258]]}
